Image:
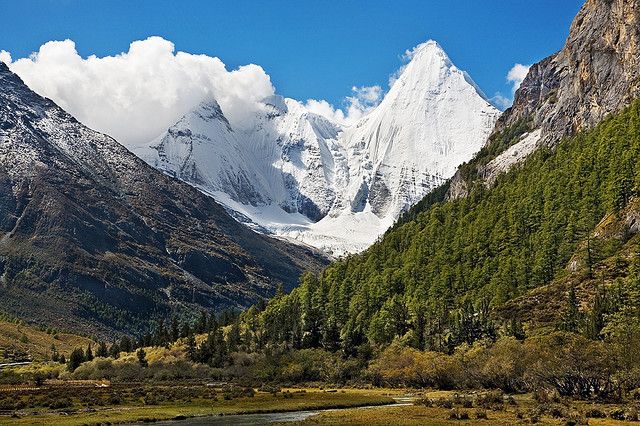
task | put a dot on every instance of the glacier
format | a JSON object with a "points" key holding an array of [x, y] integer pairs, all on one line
{"points": [[337, 187]]}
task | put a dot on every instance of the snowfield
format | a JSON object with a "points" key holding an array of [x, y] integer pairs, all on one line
{"points": [[301, 176]]}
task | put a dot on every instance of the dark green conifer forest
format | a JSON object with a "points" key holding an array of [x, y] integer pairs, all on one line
{"points": [[434, 279], [452, 296]]}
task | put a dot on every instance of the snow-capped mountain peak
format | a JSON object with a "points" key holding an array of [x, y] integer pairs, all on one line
{"points": [[430, 119], [300, 175]]}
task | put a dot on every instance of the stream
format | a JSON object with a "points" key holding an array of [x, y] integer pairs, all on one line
{"points": [[263, 418]]}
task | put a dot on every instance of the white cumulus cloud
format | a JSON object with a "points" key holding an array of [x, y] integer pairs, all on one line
{"points": [[516, 75], [136, 95], [363, 99], [5, 57]]}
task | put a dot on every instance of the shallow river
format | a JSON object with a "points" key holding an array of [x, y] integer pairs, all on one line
{"points": [[260, 419]]}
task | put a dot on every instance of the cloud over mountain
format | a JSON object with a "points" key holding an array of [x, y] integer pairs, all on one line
{"points": [[135, 95]]}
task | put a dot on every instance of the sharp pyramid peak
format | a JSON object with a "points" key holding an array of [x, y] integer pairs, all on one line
{"points": [[429, 64], [430, 50]]}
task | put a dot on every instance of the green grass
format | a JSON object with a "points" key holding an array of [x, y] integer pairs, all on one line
{"points": [[37, 343], [261, 402], [420, 414]]}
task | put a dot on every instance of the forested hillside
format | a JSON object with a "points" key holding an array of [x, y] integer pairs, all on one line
{"points": [[434, 281], [449, 298]]}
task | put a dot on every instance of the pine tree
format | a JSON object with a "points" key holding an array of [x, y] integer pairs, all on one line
{"points": [[234, 338], [202, 325], [88, 355], [142, 357], [114, 350], [191, 348], [595, 321], [175, 329], [186, 330], [102, 350], [515, 329], [55, 356], [571, 319], [76, 359], [125, 344]]}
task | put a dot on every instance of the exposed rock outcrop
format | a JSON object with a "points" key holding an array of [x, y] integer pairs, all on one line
{"points": [[596, 73]]}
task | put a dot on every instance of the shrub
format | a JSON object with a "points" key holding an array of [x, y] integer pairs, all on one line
{"points": [[576, 421], [444, 403], [571, 364], [401, 366], [617, 414], [456, 414], [493, 400], [501, 365], [481, 414], [631, 415], [270, 389], [595, 413], [546, 396], [58, 403], [427, 402]]}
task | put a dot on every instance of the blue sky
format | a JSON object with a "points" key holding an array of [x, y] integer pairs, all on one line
{"points": [[311, 49]]}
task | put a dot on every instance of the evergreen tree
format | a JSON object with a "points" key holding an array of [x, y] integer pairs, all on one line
{"points": [[202, 325], [126, 345], [515, 329], [75, 359], [175, 329], [142, 357], [191, 348], [234, 338], [88, 355], [571, 319], [55, 356], [595, 321], [186, 330], [102, 350], [114, 350]]}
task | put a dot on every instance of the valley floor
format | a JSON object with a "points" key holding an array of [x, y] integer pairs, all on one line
{"points": [[522, 410], [122, 404], [134, 403]]}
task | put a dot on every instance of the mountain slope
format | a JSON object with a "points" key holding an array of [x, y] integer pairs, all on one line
{"points": [[93, 239], [566, 217], [297, 174], [596, 73], [287, 159], [433, 119]]}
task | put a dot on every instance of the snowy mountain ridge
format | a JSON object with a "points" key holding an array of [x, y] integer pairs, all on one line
{"points": [[103, 235], [299, 175]]}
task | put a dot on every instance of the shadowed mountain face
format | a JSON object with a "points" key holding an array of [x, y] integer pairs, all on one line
{"points": [[95, 240]]}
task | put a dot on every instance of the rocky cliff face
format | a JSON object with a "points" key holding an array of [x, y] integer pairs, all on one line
{"points": [[596, 73], [94, 240]]}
